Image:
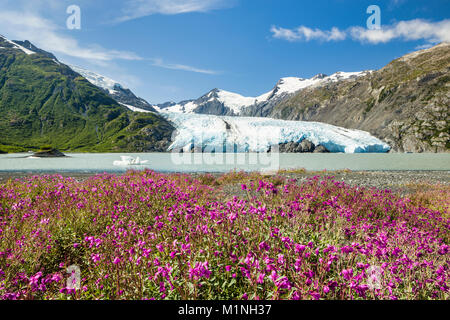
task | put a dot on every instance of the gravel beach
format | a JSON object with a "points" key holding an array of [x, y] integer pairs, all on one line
{"points": [[398, 181]]}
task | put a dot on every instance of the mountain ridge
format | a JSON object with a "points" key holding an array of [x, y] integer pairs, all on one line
{"points": [[223, 102]]}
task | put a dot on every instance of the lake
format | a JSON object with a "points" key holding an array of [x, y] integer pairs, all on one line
{"points": [[168, 162]]}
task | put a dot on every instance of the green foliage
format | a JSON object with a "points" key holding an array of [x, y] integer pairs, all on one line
{"points": [[370, 103], [46, 147], [385, 93]]}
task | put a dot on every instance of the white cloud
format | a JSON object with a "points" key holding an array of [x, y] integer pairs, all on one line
{"points": [[405, 30], [160, 63], [46, 35], [411, 30], [141, 8], [303, 33]]}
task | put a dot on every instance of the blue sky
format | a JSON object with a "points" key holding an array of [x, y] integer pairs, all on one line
{"points": [[170, 50]]}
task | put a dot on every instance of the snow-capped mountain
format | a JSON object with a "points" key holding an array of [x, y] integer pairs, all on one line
{"points": [[24, 46], [222, 102], [118, 92], [256, 134], [6, 43]]}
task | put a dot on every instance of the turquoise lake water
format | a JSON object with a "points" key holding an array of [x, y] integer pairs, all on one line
{"points": [[168, 162]]}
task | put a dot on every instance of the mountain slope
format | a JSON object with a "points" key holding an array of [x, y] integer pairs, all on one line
{"points": [[119, 93], [406, 103], [43, 101]]}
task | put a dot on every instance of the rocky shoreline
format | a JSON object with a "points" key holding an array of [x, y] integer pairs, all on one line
{"points": [[51, 153]]}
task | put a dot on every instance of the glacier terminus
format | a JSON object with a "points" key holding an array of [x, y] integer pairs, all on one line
{"points": [[214, 133]]}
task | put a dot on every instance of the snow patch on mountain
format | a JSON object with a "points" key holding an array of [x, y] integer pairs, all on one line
{"points": [[132, 108], [118, 92], [98, 80], [17, 46], [234, 101]]}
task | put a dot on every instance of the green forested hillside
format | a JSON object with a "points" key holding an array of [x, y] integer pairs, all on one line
{"points": [[44, 102]]}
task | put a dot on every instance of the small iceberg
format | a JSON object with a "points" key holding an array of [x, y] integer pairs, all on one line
{"points": [[129, 161]]}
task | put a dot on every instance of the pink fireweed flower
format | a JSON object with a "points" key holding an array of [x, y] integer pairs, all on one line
{"points": [[347, 249], [299, 248], [56, 277], [264, 246], [347, 273], [444, 249], [274, 276], [296, 295], [261, 277], [287, 242], [245, 273], [199, 270], [283, 283], [34, 279], [315, 295]]}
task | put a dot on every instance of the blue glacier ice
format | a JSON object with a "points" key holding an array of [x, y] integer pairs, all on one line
{"points": [[253, 134]]}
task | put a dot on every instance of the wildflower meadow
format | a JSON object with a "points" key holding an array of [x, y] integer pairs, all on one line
{"points": [[147, 235]]}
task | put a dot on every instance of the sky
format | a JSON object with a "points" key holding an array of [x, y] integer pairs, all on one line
{"points": [[173, 50]]}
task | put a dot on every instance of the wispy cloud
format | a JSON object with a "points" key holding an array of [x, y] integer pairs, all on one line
{"points": [[46, 35], [410, 30], [303, 33], [160, 63], [140, 8]]}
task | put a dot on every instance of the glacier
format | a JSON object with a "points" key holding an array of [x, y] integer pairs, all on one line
{"points": [[254, 134]]}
